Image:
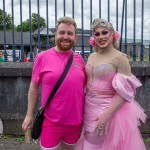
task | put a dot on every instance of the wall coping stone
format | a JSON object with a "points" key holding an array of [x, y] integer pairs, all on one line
{"points": [[11, 69], [139, 68]]}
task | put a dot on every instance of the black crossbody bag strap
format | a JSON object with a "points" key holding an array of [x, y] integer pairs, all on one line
{"points": [[60, 80]]}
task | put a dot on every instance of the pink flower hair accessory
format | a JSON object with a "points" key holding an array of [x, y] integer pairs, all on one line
{"points": [[92, 41], [116, 35]]}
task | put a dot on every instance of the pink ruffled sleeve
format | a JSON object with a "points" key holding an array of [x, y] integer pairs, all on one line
{"points": [[126, 86]]}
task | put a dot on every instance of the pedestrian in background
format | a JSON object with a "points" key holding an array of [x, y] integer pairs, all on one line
{"points": [[2, 56], [63, 116], [111, 115]]}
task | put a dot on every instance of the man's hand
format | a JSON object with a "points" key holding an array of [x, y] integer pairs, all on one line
{"points": [[28, 121]]}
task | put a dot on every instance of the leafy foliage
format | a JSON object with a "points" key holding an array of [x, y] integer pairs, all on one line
{"points": [[34, 23], [25, 24], [8, 21]]}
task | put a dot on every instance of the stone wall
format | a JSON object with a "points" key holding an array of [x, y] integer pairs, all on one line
{"points": [[14, 85]]}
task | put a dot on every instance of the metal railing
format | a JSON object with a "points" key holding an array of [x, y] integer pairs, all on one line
{"points": [[131, 23]]}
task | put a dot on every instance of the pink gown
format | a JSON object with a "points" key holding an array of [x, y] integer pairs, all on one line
{"points": [[121, 131]]}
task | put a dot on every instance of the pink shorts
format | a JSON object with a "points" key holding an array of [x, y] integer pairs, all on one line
{"points": [[53, 133]]}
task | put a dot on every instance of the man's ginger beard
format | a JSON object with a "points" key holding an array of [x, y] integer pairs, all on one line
{"points": [[66, 47]]}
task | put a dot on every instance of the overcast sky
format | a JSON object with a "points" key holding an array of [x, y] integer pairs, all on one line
{"points": [[86, 12]]}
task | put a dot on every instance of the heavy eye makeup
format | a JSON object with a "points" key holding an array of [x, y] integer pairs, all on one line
{"points": [[105, 32]]}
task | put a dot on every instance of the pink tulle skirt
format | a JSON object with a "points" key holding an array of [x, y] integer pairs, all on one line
{"points": [[121, 131]]}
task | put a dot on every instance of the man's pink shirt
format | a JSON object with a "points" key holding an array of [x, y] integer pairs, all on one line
{"points": [[66, 106]]}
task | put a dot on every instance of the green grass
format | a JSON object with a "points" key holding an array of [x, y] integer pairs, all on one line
{"points": [[147, 139], [5, 136], [17, 138], [20, 139]]}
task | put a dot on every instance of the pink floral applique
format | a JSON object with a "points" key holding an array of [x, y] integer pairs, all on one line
{"points": [[92, 41], [116, 35]]}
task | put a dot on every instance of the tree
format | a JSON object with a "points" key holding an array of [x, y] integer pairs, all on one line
{"points": [[25, 26], [34, 23], [8, 20]]}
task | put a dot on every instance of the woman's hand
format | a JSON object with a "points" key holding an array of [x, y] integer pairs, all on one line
{"points": [[28, 121], [100, 122]]}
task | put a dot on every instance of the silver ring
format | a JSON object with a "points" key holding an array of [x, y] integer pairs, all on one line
{"points": [[100, 129], [101, 126]]}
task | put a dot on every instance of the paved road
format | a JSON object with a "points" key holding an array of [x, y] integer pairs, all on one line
{"points": [[12, 143]]}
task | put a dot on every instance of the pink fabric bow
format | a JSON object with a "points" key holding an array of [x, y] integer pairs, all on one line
{"points": [[116, 35], [92, 41]]}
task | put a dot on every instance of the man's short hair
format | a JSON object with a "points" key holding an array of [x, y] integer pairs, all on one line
{"points": [[66, 20]]}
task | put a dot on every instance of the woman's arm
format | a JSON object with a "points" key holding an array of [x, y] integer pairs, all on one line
{"points": [[115, 105]]}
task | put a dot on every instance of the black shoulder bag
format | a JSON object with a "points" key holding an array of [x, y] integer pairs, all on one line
{"points": [[37, 125]]}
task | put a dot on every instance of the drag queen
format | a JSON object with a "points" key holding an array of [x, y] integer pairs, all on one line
{"points": [[111, 115]]}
